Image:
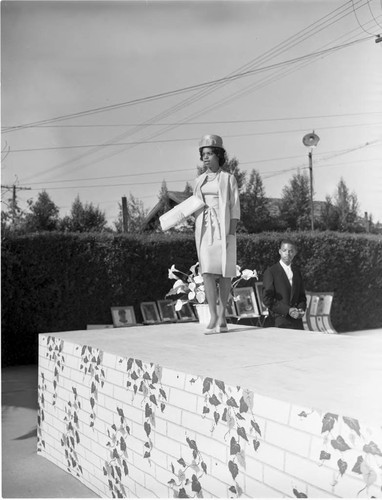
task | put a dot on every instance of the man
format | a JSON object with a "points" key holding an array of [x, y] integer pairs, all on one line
{"points": [[283, 289]]}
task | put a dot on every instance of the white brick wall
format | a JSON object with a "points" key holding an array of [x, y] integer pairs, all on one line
{"points": [[290, 443], [184, 400], [290, 439], [271, 409]]}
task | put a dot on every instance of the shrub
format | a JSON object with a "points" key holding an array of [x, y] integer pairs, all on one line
{"points": [[55, 282]]}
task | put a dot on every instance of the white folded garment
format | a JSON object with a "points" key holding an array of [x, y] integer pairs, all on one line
{"points": [[180, 212]]}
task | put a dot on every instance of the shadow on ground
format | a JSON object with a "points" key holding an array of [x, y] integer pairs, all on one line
{"points": [[24, 473]]}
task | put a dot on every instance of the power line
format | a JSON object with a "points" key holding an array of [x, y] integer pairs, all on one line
{"points": [[272, 174], [175, 108], [269, 79], [184, 89], [211, 122], [360, 25], [276, 51], [161, 141]]}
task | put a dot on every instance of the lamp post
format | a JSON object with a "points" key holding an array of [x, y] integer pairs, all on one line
{"points": [[311, 141]]}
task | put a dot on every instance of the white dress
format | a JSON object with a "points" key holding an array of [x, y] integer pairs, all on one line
{"points": [[211, 243]]}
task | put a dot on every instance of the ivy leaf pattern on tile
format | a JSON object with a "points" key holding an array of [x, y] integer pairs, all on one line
{"points": [[42, 387], [235, 412], [116, 468], [146, 379], [71, 437], [368, 463], [187, 480], [328, 422], [339, 444], [372, 448], [91, 366], [55, 349]]}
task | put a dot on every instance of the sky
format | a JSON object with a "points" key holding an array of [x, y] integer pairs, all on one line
{"points": [[109, 99]]}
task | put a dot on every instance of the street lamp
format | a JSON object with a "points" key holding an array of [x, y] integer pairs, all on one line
{"points": [[311, 141]]}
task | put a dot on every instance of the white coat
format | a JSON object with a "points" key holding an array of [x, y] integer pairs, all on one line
{"points": [[229, 208]]}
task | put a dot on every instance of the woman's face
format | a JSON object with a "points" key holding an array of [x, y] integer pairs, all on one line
{"points": [[210, 160]]}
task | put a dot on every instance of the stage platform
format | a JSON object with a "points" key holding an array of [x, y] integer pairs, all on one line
{"points": [[153, 411]]}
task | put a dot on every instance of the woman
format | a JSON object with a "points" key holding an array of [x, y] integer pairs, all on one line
{"points": [[215, 229]]}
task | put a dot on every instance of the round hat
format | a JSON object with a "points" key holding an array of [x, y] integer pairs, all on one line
{"points": [[211, 141]]}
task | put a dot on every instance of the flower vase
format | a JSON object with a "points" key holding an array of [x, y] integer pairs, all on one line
{"points": [[203, 312]]}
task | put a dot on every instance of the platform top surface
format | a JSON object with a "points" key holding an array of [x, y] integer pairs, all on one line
{"points": [[337, 373]]}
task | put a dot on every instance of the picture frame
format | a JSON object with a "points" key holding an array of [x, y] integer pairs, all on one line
{"points": [[259, 294], [231, 308], [167, 311], [150, 313], [186, 313], [123, 316], [246, 304], [98, 327]]}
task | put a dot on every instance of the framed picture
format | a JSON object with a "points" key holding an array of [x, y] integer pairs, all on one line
{"points": [[167, 310], [98, 327], [150, 312], [230, 311], [245, 302], [259, 293], [123, 316], [186, 313]]}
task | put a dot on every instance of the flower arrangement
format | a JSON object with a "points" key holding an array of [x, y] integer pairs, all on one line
{"points": [[189, 288]]}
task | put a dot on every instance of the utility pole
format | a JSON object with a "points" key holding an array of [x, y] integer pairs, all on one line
{"points": [[311, 188], [14, 194], [311, 141], [125, 215]]}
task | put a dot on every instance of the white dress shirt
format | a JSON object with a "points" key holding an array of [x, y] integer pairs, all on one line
{"points": [[288, 271]]}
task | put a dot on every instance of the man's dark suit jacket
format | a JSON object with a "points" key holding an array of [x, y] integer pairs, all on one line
{"points": [[279, 296]]}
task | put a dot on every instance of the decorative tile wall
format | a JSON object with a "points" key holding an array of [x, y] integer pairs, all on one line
{"points": [[131, 428]]}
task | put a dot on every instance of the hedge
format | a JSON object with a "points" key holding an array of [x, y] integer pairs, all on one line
{"points": [[55, 282]]}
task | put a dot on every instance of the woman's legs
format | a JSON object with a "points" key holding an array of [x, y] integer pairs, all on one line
{"points": [[224, 289], [211, 295]]}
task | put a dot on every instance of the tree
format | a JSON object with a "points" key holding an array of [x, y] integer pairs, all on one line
{"points": [[12, 217], [295, 203], [329, 215], [84, 218], [342, 213], [136, 215], [43, 214], [163, 196], [254, 211]]}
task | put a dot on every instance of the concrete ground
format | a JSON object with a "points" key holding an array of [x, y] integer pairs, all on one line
{"points": [[24, 473], [312, 362]]}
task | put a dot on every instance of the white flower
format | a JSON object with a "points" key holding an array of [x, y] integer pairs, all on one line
{"points": [[171, 274], [248, 274], [179, 304], [193, 268], [200, 296], [179, 286]]}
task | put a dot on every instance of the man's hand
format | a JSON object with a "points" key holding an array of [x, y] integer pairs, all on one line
{"points": [[301, 312], [296, 313]]}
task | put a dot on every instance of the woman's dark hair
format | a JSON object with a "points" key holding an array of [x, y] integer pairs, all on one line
{"points": [[220, 153]]}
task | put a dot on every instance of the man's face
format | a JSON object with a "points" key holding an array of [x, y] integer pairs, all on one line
{"points": [[287, 253]]}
